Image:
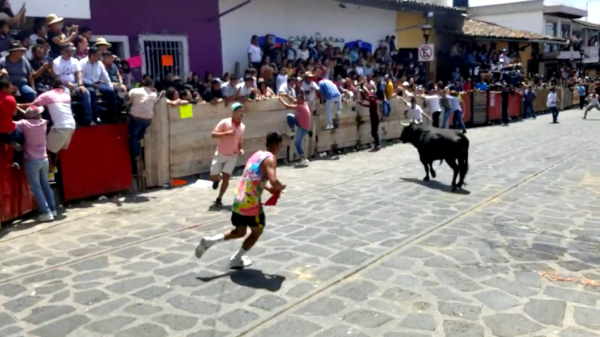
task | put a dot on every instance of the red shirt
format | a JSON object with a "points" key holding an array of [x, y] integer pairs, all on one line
{"points": [[467, 86], [8, 106]]}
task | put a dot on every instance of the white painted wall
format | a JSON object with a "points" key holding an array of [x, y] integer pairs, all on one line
{"points": [[532, 21], [286, 18], [73, 9]]}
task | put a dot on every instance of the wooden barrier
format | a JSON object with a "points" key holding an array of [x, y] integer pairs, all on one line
{"points": [[539, 103], [567, 98], [480, 116]]}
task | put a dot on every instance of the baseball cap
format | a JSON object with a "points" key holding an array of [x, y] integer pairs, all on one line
{"points": [[236, 106]]}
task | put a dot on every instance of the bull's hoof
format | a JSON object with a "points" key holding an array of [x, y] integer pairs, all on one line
{"points": [[433, 173], [426, 178], [460, 185], [453, 188]]}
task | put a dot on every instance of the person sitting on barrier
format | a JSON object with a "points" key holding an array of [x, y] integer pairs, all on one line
{"points": [[19, 71], [58, 103], [68, 69], [246, 92], [96, 80], [230, 133], [42, 75], [288, 89], [263, 90], [229, 90], [36, 161], [9, 133], [301, 120], [214, 94]]}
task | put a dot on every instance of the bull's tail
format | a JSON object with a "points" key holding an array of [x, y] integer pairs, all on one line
{"points": [[441, 161]]}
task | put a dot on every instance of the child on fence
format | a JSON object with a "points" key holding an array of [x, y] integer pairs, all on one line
{"points": [[36, 161]]}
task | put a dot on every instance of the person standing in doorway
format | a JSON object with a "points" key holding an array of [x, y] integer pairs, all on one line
{"points": [[230, 133], [247, 210], [301, 120], [551, 103]]}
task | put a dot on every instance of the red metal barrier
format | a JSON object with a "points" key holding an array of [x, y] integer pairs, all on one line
{"points": [[514, 105], [97, 162], [467, 99], [16, 198], [494, 106]]}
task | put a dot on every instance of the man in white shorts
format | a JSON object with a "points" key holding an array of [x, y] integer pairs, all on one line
{"points": [[58, 103], [230, 133], [593, 99]]}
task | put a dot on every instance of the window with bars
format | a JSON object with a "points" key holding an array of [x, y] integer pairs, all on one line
{"points": [[164, 56]]}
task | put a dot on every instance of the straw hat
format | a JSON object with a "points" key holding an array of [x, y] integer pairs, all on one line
{"points": [[52, 19], [309, 74], [102, 42]]}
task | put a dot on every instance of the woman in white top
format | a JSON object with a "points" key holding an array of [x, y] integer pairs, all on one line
{"points": [[303, 53]]}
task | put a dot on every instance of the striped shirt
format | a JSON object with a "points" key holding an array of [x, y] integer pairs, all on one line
{"points": [[328, 89]]}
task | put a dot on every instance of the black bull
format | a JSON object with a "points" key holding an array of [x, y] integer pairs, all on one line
{"points": [[439, 144]]}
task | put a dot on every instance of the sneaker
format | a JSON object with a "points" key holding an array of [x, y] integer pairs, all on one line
{"points": [[50, 176], [338, 113], [218, 202], [54, 169], [54, 213], [303, 162], [46, 217], [202, 248], [242, 262], [329, 127], [16, 165]]}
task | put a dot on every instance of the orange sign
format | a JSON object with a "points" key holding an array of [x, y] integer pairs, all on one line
{"points": [[167, 60]]}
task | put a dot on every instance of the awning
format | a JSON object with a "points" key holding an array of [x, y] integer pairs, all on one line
{"points": [[404, 5], [482, 30]]}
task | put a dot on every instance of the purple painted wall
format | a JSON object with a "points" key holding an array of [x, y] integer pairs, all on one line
{"points": [[175, 17]]}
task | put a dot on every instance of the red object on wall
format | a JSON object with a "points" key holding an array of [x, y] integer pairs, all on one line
{"points": [[97, 162], [467, 99], [16, 198], [514, 105], [494, 106]]}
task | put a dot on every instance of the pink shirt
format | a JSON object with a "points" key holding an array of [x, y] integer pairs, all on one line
{"points": [[229, 145], [34, 131], [303, 115], [58, 103]]}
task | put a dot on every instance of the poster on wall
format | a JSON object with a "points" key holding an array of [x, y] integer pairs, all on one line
{"points": [[72, 9]]}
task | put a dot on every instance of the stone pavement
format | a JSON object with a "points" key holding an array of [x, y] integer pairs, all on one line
{"points": [[356, 247]]}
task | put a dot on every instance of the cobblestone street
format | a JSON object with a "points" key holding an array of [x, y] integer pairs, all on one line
{"points": [[358, 246]]}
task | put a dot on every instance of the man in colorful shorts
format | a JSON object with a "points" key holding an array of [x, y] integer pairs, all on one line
{"points": [[247, 210]]}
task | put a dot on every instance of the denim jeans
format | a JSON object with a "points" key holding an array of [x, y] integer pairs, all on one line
{"points": [[108, 94], [529, 110], [554, 111], [137, 130], [300, 133], [447, 113], [386, 108], [89, 114], [17, 137], [329, 107], [27, 93], [458, 122], [37, 176]]}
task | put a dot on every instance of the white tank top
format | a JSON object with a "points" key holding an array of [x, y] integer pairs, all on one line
{"points": [[594, 100]]}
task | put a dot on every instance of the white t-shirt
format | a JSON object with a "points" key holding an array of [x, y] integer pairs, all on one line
{"points": [[244, 90], [66, 69], [142, 102], [303, 54], [433, 103], [280, 80], [284, 88], [255, 53], [593, 100], [310, 89], [551, 102], [416, 114]]}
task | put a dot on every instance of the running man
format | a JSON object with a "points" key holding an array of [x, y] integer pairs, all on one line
{"points": [[247, 210], [593, 99], [230, 132]]}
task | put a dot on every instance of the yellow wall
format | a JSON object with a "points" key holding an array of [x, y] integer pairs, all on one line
{"points": [[413, 37]]}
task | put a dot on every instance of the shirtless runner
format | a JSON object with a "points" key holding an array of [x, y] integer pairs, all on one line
{"points": [[247, 208]]}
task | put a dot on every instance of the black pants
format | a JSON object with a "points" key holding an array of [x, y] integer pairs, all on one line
{"points": [[436, 119], [505, 112], [581, 102], [375, 130]]}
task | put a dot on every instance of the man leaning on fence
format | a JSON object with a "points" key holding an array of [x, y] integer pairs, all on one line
{"points": [[142, 102]]}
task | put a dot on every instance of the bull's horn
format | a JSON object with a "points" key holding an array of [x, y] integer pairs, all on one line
{"points": [[404, 124]]}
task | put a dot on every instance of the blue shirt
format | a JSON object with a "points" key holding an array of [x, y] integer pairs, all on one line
{"points": [[454, 103], [581, 90], [481, 86], [328, 89]]}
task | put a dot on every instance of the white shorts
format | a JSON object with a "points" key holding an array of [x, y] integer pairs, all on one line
{"points": [[59, 139], [223, 164]]}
